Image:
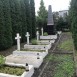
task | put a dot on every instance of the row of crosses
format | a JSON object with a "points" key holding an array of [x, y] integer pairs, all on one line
{"points": [[18, 37]]}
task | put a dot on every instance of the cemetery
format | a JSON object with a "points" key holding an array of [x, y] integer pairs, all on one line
{"points": [[42, 45]]}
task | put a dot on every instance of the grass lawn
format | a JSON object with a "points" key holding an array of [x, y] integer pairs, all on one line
{"points": [[64, 65], [12, 70], [67, 43], [27, 50]]}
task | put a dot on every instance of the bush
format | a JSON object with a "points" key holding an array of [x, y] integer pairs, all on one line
{"points": [[34, 42], [45, 34], [2, 60]]}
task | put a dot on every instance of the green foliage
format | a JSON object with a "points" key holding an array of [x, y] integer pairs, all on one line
{"points": [[15, 18], [34, 42], [2, 27], [5, 25], [67, 45], [45, 34], [73, 20], [33, 19], [2, 60], [50, 58], [28, 17], [23, 20], [12, 70], [42, 16], [65, 68], [60, 25]]}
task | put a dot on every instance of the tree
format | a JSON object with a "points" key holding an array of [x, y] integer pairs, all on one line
{"points": [[23, 20], [2, 28], [42, 15], [73, 20], [15, 18], [33, 19], [60, 24], [8, 25], [28, 17], [6, 29]]}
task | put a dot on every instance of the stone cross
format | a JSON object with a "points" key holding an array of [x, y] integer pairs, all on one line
{"points": [[18, 41], [27, 35], [37, 33], [42, 31]]}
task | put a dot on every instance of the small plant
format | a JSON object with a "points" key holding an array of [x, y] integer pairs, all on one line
{"points": [[34, 42], [2, 60], [45, 34]]}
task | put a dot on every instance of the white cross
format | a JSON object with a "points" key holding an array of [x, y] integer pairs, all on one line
{"points": [[42, 31], [27, 35], [18, 41], [37, 33]]}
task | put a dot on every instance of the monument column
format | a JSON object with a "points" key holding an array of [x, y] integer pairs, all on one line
{"points": [[50, 23]]}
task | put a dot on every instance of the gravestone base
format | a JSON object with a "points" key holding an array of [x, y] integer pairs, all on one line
{"points": [[50, 29]]}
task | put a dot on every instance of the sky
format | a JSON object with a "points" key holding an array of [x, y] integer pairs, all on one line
{"points": [[57, 5]]}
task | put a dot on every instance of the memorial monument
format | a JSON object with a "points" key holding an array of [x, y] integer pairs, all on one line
{"points": [[50, 28]]}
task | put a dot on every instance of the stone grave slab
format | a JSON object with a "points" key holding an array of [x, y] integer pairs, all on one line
{"points": [[37, 47], [31, 60], [49, 37], [46, 42], [32, 53]]}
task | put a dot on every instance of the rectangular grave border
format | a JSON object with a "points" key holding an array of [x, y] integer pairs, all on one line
{"points": [[25, 74]]}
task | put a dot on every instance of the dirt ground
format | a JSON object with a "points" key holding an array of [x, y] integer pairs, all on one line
{"points": [[10, 50]]}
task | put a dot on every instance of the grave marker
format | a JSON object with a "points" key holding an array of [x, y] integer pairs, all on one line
{"points": [[18, 41], [27, 35], [37, 33], [42, 31]]}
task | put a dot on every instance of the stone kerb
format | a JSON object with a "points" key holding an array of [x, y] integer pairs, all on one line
{"points": [[25, 74]]}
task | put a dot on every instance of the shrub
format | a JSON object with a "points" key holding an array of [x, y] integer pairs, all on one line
{"points": [[2, 60], [34, 42], [45, 34]]}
